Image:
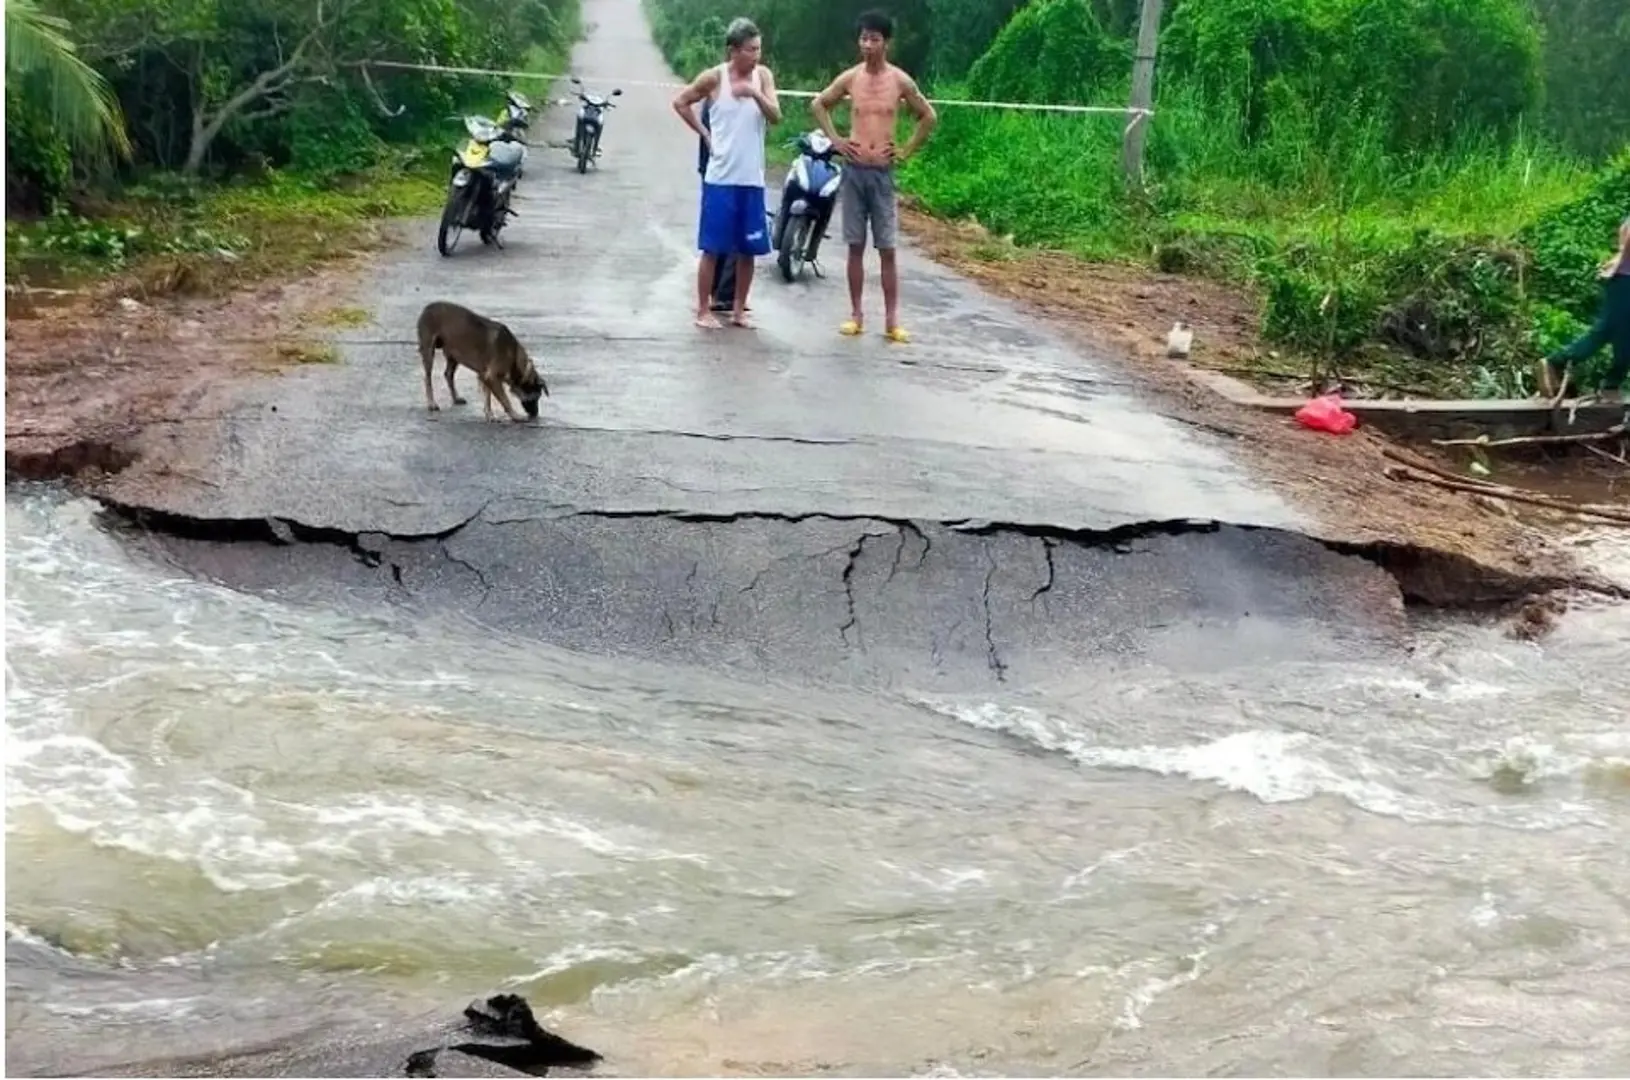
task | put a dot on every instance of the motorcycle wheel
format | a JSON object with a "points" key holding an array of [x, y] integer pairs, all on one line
{"points": [[790, 257], [778, 231], [452, 223]]}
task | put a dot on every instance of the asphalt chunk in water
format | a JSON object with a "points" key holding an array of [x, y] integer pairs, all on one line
{"points": [[524, 1045]]}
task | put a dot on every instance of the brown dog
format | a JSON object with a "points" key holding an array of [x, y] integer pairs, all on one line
{"points": [[486, 347]]}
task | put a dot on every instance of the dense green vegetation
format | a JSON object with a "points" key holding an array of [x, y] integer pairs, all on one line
{"points": [[247, 133], [1421, 185]]}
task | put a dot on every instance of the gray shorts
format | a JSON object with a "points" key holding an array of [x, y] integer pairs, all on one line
{"points": [[868, 195]]}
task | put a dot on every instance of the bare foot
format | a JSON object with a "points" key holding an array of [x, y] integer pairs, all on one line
{"points": [[709, 321], [742, 321]]}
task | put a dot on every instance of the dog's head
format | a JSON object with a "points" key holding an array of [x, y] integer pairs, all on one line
{"points": [[531, 388]]}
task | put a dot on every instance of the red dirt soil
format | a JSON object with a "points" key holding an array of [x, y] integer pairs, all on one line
{"points": [[95, 380]]}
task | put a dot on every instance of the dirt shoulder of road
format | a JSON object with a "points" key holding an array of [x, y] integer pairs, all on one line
{"points": [[1125, 313], [97, 378]]}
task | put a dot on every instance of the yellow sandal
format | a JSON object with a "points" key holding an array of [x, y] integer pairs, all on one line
{"points": [[897, 334], [850, 328]]}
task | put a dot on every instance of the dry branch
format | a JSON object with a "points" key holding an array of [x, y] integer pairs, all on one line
{"points": [[1535, 440], [1512, 495]]}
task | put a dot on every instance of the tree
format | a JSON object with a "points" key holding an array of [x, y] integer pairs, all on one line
{"points": [[240, 61], [41, 58], [220, 97]]}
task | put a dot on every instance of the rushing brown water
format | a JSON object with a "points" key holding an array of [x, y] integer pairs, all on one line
{"points": [[222, 811]]}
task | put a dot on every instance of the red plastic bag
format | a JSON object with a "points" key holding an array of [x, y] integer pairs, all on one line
{"points": [[1325, 413]]}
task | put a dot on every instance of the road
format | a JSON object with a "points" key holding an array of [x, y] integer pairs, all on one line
{"points": [[958, 510]]}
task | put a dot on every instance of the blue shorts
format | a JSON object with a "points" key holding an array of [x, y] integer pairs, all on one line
{"points": [[734, 221]]}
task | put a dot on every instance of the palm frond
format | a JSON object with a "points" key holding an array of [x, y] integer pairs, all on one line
{"points": [[42, 59]]}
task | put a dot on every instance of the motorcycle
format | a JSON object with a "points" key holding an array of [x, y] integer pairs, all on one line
{"points": [[808, 196], [590, 124], [483, 176], [517, 112]]}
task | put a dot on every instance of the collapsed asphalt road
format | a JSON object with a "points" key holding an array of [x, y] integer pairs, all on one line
{"points": [[783, 499]]}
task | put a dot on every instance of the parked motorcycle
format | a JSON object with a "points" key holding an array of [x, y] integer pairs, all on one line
{"points": [[517, 112], [484, 173], [808, 196], [590, 124]]}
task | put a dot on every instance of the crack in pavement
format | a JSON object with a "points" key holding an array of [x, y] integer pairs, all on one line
{"points": [[849, 589], [719, 436], [1047, 545], [481, 575], [900, 551], [992, 657]]}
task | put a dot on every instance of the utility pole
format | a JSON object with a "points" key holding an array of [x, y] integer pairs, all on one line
{"points": [[1143, 86]]}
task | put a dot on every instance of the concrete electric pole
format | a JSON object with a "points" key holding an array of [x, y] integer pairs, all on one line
{"points": [[1143, 85]]}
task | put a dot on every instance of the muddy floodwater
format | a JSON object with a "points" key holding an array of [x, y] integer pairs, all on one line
{"points": [[232, 821]]}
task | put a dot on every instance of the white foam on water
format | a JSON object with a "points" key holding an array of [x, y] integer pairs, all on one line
{"points": [[71, 670], [1486, 912], [1107, 859], [1265, 764], [139, 1012], [1271, 766], [577, 955], [1190, 966], [941, 879], [1526, 762]]}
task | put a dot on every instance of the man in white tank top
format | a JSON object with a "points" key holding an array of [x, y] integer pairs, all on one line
{"points": [[742, 105]]}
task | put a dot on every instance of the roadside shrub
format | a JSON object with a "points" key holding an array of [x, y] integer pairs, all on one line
{"points": [[1428, 70], [1053, 52]]}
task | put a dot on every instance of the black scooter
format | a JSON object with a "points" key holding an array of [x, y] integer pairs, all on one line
{"points": [[590, 124]]}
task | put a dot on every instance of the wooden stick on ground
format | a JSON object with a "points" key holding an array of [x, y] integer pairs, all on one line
{"points": [[1617, 459], [1420, 464], [1535, 440], [1513, 495]]}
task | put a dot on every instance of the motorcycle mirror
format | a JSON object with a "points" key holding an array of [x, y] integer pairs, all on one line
{"points": [[616, 93], [576, 81]]}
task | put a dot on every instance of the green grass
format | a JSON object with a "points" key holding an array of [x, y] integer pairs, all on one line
{"points": [[1338, 238], [208, 238]]}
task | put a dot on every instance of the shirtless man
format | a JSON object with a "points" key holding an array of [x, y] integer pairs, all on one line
{"points": [[742, 103], [875, 89]]}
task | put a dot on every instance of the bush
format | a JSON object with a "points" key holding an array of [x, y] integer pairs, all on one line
{"points": [[1427, 70], [39, 169], [1054, 52]]}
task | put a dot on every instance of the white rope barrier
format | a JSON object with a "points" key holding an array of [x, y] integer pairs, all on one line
{"points": [[544, 76]]}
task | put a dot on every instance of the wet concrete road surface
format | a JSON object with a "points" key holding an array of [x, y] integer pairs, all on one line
{"points": [[783, 498]]}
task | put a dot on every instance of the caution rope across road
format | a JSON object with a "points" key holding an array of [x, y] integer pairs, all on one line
{"points": [[545, 76]]}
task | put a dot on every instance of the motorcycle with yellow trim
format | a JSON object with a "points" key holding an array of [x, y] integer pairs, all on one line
{"points": [[483, 176]]}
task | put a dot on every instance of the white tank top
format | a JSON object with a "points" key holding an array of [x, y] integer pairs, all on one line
{"points": [[737, 130]]}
